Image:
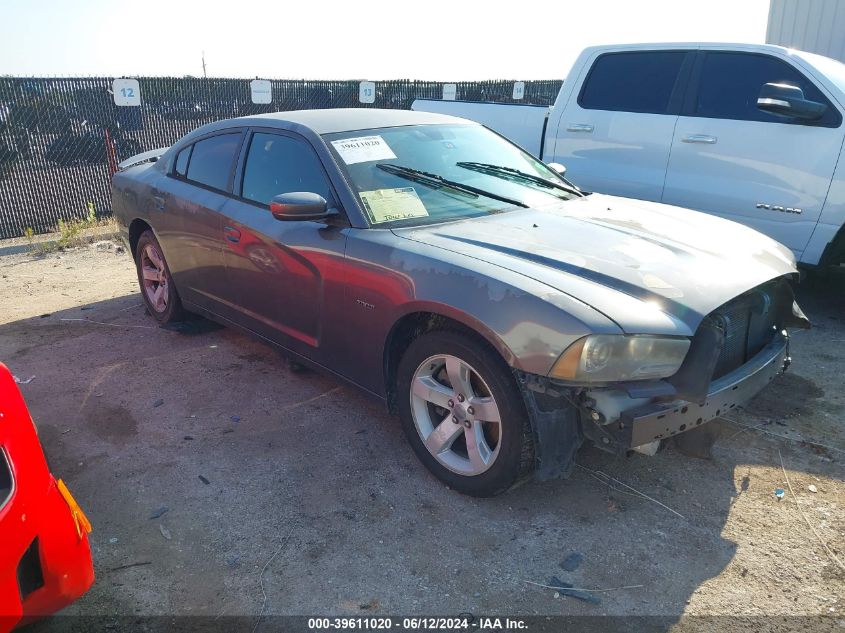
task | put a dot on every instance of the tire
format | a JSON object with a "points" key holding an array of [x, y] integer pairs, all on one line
{"points": [[159, 296], [470, 453]]}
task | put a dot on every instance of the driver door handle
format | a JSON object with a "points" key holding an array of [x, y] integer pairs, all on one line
{"points": [[232, 234], [699, 138]]}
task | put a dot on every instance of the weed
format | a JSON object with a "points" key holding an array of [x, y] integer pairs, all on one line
{"points": [[72, 233], [39, 248]]}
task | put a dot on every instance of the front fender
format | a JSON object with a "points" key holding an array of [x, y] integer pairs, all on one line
{"points": [[390, 278]]}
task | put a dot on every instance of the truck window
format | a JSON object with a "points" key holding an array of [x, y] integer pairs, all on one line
{"points": [[632, 82], [730, 84]]}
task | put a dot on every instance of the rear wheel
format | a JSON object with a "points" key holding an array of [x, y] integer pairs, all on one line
{"points": [[463, 414], [157, 287]]}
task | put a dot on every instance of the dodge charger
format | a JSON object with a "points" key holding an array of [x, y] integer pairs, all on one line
{"points": [[506, 316]]}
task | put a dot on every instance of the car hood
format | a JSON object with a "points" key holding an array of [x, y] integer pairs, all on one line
{"points": [[650, 267]]}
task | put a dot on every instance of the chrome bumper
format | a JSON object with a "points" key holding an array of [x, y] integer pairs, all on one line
{"points": [[657, 421]]}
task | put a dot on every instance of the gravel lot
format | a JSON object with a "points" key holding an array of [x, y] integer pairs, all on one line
{"points": [[252, 460]]}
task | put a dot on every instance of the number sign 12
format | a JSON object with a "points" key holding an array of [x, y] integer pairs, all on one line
{"points": [[127, 92]]}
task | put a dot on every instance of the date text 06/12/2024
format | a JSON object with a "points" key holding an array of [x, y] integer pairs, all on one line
{"points": [[465, 623]]}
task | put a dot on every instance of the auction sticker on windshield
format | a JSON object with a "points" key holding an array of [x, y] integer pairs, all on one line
{"points": [[389, 205], [363, 149]]}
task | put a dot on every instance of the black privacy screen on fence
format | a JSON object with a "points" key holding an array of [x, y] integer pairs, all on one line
{"points": [[60, 138]]}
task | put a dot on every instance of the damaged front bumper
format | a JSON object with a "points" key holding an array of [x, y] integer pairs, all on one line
{"points": [[649, 423], [563, 417]]}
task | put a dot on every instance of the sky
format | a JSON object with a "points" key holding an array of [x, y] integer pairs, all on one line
{"points": [[442, 40]]}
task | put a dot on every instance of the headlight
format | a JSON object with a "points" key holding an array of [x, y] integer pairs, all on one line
{"points": [[614, 357]]}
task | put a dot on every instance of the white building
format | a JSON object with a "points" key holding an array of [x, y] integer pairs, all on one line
{"points": [[817, 26]]}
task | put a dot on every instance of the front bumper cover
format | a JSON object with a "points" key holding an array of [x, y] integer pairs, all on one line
{"points": [[660, 420]]}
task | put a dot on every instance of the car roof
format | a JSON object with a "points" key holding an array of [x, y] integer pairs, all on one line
{"points": [[343, 119], [314, 123], [738, 46]]}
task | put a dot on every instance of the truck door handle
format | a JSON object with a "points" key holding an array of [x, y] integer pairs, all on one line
{"points": [[699, 138], [580, 127], [232, 234]]}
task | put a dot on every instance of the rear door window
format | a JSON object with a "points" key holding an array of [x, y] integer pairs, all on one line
{"points": [[212, 160], [632, 82], [280, 164], [730, 84]]}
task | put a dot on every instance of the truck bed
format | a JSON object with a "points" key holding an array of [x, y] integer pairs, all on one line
{"points": [[522, 124]]}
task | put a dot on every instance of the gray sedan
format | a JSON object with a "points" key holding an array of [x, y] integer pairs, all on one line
{"points": [[505, 315]]}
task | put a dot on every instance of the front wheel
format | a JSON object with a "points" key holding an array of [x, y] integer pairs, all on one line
{"points": [[463, 414]]}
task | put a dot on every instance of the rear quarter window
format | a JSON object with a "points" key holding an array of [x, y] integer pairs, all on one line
{"points": [[632, 82], [181, 166]]}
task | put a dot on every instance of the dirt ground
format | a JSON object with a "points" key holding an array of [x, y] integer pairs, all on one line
{"points": [[268, 482]]}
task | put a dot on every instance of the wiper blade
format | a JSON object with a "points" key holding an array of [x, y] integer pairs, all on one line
{"points": [[511, 173], [435, 181]]}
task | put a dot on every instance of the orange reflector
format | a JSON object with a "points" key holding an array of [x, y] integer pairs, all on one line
{"points": [[567, 365], [80, 520]]}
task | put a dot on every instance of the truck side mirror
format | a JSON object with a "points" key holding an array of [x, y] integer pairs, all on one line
{"points": [[789, 101], [557, 167]]}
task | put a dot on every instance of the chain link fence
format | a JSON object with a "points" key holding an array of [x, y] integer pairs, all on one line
{"points": [[60, 139]]}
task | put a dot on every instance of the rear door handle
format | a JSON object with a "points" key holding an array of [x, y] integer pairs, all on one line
{"points": [[699, 138], [580, 127], [232, 234]]}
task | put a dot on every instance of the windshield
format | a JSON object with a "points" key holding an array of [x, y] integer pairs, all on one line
{"points": [[421, 174]]}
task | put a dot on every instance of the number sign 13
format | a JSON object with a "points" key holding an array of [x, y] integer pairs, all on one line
{"points": [[367, 92]]}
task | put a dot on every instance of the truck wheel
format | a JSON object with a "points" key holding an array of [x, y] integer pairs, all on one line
{"points": [[157, 288], [463, 414]]}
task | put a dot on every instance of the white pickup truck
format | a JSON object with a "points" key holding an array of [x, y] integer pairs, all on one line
{"points": [[752, 133]]}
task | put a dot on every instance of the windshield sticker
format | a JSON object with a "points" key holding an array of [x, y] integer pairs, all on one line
{"points": [[389, 205], [363, 149]]}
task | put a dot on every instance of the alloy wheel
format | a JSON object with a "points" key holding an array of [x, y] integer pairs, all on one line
{"points": [[154, 276], [455, 414]]}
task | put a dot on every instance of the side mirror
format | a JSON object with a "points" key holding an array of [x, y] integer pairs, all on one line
{"points": [[788, 101], [557, 167], [299, 205]]}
